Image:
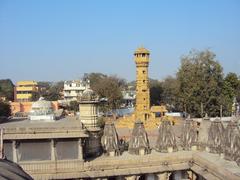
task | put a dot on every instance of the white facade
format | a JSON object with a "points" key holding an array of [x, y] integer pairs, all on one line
{"points": [[42, 110], [74, 89], [129, 98]]}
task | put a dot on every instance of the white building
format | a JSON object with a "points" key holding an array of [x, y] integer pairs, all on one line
{"points": [[42, 110], [129, 98], [74, 89]]}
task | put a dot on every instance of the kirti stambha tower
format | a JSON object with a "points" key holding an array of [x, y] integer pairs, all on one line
{"points": [[142, 108]]}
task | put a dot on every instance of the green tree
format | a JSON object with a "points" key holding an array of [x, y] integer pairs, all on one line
{"points": [[54, 92], [200, 81], [43, 87], [233, 82], [170, 94], [5, 109], [227, 97], [108, 87], [7, 89], [156, 92], [35, 96], [230, 91], [74, 106]]}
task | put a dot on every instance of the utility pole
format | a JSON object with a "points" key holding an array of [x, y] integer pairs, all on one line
{"points": [[201, 110]]}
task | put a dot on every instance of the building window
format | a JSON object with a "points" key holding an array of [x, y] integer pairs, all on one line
{"points": [[7, 145], [144, 72], [64, 152], [30, 150]]}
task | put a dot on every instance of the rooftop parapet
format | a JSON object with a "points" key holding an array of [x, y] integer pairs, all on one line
{"points": [[139, 143], [166, 141]]}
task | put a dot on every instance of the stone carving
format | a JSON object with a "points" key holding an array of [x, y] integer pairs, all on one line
{"points": [[215, 141], [206, 117], [109, 140], [89, 95], [230, 134], [236, 149], [139, 143], [189, 136], [166, 141]]}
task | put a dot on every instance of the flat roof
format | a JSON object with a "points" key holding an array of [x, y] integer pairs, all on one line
{"points": [[27, 129]]}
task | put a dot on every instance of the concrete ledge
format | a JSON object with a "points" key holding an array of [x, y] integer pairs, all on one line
{"points": [[210, 166]]}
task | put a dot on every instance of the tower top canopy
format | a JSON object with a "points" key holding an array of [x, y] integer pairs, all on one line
{"points": [[141, 50]]}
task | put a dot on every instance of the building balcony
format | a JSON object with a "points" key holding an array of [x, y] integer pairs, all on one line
{"points": [[26, 88]]}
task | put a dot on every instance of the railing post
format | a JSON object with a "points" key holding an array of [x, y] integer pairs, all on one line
{"points": [[80, 150], [14, 150], [53, 150]]}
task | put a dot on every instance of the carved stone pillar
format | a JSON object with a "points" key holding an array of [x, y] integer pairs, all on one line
{"points": [[163, 176], [192, 175], [80, 149], [53, 150], [14, 150]]}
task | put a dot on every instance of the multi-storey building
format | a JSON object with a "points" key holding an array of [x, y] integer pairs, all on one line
{"points": [[74, 89], [24, 90]]}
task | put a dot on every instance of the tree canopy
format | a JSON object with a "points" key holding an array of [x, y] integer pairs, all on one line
{"points": [[51, 91], [200, 84], [7, 89], [107, 87], [5, 109]]}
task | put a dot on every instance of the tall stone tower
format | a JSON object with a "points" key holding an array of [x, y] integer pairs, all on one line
{"points": [[142, 108]]}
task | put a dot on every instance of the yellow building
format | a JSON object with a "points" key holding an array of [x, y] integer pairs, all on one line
{"points": [[24, 90], [142, 108]]}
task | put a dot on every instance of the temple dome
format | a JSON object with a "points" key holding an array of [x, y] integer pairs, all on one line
{"points": [[88, 95], [142, 50], [42, 107], [42, 110]]}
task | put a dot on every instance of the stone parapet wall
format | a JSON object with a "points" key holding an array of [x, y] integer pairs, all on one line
{"points": [[207, 165]]}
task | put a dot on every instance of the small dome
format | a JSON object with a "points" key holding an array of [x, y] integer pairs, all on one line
{"points": [[42, 107], [142, 50], [41, 103], [88, 95]]}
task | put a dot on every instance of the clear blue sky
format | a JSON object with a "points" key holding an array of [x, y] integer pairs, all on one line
{"points": [[60, 40]]}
